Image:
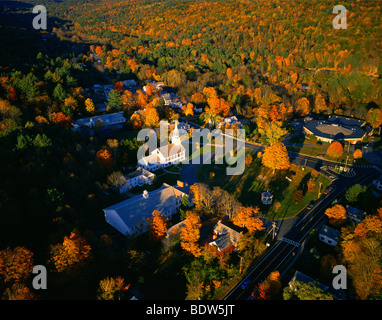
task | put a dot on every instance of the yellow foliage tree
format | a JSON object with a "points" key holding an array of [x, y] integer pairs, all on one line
{"points": [[188, 110], [245, 217], [276, 157], [190, 234], [151, 117], [89, 106]]}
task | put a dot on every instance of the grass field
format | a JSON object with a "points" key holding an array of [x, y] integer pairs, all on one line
{"points": [[256, 179]]}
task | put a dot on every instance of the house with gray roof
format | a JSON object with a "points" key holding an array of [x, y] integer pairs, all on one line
{"points": [[104, 120], [355, 215], [224, 238], [130, 216], [329, 235], [338, 128]]}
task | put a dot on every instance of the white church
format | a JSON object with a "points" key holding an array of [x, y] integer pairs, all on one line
{"points": [[165, 156]]}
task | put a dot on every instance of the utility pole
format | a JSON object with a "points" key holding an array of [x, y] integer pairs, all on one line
{"points": [[319, 190], [241, 259], [272, 229], [347, 157]]}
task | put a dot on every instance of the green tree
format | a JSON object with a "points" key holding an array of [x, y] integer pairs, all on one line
{"points": [[114, 101], [42, 141], [305, 291], [183, 207], [352, 194], [23, 142], [59, 93], [28, 86]]}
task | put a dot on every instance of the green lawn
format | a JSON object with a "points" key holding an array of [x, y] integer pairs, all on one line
{"points": [[256, 178]]}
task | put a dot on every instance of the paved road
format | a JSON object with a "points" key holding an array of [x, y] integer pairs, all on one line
{"points": [[297, 228], [307, 220]]}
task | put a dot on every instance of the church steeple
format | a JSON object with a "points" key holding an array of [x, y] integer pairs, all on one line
{"points": [[175, 138]]}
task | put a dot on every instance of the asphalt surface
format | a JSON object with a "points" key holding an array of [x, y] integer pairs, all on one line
{"points": [[301, 225], [308, 220]]}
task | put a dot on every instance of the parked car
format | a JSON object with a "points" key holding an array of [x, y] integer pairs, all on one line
{"points": [[310, 206], [328, 190], [245, 283]]}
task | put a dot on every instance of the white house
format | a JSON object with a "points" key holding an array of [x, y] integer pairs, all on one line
{"points": [[167, 98], [130, 216], [165, 156], [139, 177], [157, 86]]}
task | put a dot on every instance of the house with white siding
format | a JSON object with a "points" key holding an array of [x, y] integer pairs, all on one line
{"points": [[165, 156], [130, 216]]}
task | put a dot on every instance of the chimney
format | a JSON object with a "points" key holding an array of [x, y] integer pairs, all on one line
{"points": [[145, 194]]}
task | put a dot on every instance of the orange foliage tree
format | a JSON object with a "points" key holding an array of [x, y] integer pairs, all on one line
{"points": [[158, 225], [104, 157], [128, 100], [320, 104], [219, 106], [119, 86], [276, 157], [248, 159], [302, 107], [270, 287], [190, 234], [362, 257], [357, 154], [136, 121], [374, 117], [61, 119], [188, 110], [19, 291], [336, 214], [372, 224], [335, 149], [245, 217], [15, 265], [73, 253]]}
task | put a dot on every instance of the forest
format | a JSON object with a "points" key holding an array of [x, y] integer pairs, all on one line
{"points": [[238, 47], [268, 61]]}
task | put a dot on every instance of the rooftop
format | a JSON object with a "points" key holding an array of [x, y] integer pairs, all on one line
{"points": [[329, 232], [338, 128], [137, 209], [138, 172]]}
